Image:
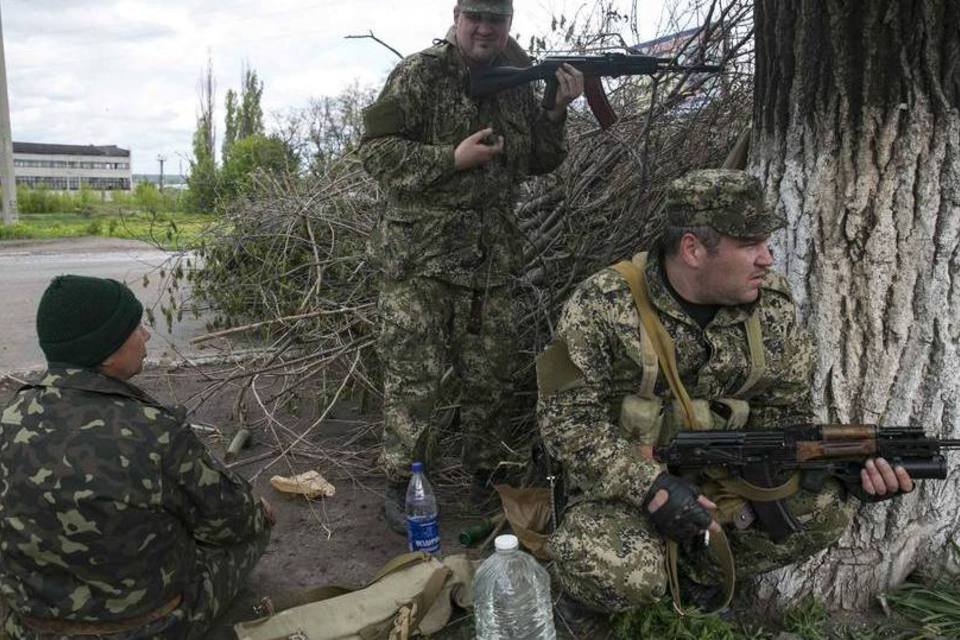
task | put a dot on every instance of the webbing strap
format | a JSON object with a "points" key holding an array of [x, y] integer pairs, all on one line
{"points": [[409, 615], [758, 359], [722, 554], [632, 272], [651, 369]]}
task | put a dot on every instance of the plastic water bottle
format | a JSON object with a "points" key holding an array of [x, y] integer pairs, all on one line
{"points": [[423, 532], [511, 596]]}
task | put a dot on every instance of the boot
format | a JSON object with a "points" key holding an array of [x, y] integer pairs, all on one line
{"points": [[394, 507]]}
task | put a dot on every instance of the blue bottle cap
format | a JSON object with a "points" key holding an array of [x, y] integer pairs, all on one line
{"points": [[417, 467]]}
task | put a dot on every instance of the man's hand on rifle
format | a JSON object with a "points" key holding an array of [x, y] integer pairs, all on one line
{"points": [[881, 480], [476, 150], [570, 88]]}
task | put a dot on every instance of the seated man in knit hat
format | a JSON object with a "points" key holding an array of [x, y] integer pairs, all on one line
{"points": [[114, 518]]}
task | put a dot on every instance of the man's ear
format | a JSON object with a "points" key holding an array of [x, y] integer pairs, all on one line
{"points": [[691, 250]]}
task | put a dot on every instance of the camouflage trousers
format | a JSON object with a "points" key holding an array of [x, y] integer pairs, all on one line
{"points": [[427, 327], [610, 558], [219, 574]]}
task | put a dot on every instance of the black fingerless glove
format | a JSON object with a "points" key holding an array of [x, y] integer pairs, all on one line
{"points": [[681, 518]]}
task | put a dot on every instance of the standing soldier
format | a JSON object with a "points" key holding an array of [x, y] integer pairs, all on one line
{"points": [[115, 520], [448, 242]]}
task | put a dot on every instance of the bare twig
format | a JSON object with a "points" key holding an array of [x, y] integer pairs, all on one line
{"points": [[377, 40]]}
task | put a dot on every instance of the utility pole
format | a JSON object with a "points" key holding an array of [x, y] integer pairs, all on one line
{"points": [[161, 159], [8, 188]]}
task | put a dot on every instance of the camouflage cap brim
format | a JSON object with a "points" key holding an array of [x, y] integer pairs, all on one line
{"points": [[757, 226], [501, 7]]}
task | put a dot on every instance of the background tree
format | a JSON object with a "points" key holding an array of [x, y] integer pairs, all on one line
{"points": [[244, 115], [253, 154], [857, 137], [203, 167]]}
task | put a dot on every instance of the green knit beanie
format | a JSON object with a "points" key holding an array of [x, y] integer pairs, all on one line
{"points": [[82, 320]]}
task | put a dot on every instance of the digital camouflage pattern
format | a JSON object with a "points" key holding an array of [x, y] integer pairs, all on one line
{"points": [[448, 244], [456, 226], [503, 7], [728, 200], [427, 326], [110, 506], [607, 553]]}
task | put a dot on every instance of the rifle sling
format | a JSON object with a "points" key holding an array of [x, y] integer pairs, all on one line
{"points": [[720, 550], [663, 344]]}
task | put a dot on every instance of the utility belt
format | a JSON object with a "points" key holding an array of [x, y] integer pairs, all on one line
{"points": [[98, 628]]}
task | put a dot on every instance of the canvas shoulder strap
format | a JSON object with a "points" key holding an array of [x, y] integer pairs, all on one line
{"points": [[633, 273]]}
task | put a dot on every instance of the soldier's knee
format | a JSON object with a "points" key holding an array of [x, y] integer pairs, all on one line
{"points": [[607, 585]]}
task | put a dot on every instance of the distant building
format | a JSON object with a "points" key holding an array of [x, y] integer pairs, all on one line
{"points": [[65, 167]]}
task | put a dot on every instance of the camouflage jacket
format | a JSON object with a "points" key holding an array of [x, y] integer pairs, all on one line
{"points": [[104, 497], [458, 226], [580, 423]]}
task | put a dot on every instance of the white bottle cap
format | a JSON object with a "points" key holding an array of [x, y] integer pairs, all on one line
{"points": [[506, 543]]}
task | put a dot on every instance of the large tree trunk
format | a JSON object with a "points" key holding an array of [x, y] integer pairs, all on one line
{"points": [[857, 137]]}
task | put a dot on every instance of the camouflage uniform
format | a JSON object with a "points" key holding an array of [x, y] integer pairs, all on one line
{"points": [[110, 507], [448, 245], [607, 553]]}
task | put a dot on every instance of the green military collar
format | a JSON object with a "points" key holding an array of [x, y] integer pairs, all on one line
{"points": [[69, 377], [662, 299]]}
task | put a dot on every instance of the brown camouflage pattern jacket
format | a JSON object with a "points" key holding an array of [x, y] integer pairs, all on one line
{"points": [[580, 425], [458, 226], [105, 495]]}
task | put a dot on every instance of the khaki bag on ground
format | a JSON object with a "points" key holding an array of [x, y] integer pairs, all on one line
{"points": [[413, 594]]}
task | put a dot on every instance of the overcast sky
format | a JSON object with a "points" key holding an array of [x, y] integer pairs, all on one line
{"points": [[125, 72]]}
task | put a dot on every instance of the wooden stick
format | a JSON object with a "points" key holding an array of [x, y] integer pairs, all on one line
{"points": [[248, 327]]}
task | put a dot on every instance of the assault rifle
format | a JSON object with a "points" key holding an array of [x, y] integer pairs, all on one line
{"points": [[765, 459], [490, 80]]}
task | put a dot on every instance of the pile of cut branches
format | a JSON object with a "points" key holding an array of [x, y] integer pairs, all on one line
{"points": [[288, 262]]}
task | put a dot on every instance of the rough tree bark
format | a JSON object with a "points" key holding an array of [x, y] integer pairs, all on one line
{"points": [[857, 136]]}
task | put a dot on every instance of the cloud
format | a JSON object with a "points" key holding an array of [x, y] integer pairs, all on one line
{"points": [[125, 72]]}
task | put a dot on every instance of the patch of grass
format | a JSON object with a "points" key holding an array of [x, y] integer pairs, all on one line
{"points": [[661, 621], [807, 619], [934, 608], [167, 230]]}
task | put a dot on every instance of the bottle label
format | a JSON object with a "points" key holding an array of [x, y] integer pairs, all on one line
{"points": [[423, 535]]}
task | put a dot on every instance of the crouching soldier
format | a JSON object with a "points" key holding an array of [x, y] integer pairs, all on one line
{"points": [[115, 520], [606, 398]]}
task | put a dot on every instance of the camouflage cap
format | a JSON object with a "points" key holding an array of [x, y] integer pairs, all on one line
{"points": [[729, 201], [502, 7]]}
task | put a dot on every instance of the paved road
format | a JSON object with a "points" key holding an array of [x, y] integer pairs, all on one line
{"points": [[26, 267]]}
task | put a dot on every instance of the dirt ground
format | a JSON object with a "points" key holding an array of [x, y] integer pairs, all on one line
{"points": [[338, 540]]}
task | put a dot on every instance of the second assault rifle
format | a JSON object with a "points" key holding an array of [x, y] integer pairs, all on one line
{"points": [[765, 458], [490, 80]]}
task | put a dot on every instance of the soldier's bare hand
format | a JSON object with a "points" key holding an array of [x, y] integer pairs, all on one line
{"points": [[570, 87], [878, 478], [474, 152]]}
